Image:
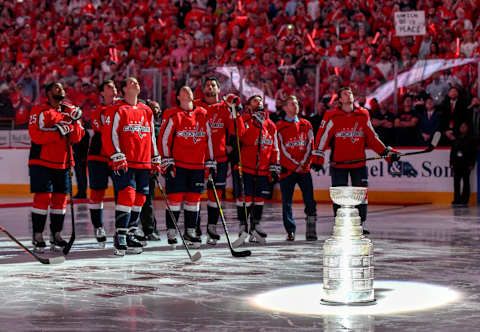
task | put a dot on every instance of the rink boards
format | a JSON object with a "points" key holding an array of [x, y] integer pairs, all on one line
{"points": [[415, 179]]}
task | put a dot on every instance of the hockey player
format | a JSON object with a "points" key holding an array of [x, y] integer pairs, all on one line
{"points": [[98, 168], [147, 216], [187, 152], [348, 131], [53, 127], [295, 139], [260, 158], [221, 117], [129, 140]]}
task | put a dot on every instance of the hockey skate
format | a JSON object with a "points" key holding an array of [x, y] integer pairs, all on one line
{"points": [[212, 235], [257, 234], [153, 237], [133, 245], [139, 235], [56, 242], [172, 237], [365, 231], [101, 236], [242, 236], [120, 243], [191, 239], [290, 236], [311, 234], [38, 243]]}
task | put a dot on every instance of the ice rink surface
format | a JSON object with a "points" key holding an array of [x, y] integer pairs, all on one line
{"points": [[425, 248]]}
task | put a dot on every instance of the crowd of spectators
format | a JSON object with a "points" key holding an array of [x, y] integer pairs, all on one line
{"points": [[280, 47]]}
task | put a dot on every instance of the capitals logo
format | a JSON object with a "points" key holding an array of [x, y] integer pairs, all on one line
{"points": [[138, 127], [301, 143], [265, 140], [353, 133], [193, 133]]}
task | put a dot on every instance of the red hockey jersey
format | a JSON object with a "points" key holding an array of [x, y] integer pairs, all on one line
{"points": [[49, 148], [269, 154], [348, 134], [221, 122], [130, 130], [185, 136], [295, 140]]}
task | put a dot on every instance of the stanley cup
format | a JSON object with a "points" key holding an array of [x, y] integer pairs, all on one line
{"points": [[348, 254]]}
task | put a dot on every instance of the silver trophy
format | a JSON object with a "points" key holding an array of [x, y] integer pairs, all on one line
{"points": [[348, 254]]}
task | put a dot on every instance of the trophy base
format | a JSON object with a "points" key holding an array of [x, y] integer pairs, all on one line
{"points": [[349, 304]]}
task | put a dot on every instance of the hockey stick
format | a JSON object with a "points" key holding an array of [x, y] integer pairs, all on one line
{"points": [[244, 234], [67, 248], [234, 253], [197, 255], [433, 143], [54, 260]]}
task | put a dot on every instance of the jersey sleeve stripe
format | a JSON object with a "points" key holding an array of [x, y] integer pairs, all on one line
{"points": [[309, 146], [323, 140], [41, 123], [166, 136], [284, 150], [115, 139], [154, 139]]}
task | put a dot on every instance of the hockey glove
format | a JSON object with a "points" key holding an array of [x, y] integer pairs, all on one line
{"points": [[119, 164], [211, 166], [64, 129], [76, 113], [274, 173], [317, 168], [234, 104], [390, 154], [168, 167], [318, 158], [156, 164], [259, 116]]}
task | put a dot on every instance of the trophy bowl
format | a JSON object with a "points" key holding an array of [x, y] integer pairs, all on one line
{"points": [[348, 196]]}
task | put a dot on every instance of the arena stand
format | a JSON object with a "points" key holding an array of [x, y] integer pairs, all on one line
{"points": [[306, 48]]}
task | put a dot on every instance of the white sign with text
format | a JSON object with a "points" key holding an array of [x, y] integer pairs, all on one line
{"points": [[410, 23]]}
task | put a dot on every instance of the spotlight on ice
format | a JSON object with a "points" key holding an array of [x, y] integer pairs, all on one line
{"points": [[392, 297]]}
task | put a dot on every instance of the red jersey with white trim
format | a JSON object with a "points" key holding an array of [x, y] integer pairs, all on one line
{"points": [[221, 121], [269, 154], [295, 141], [348, 134], [169, 113], [185, 136], [130, 130], [49, 148]]}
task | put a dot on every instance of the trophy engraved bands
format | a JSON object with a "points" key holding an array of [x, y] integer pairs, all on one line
{"points": [[348, 254]]}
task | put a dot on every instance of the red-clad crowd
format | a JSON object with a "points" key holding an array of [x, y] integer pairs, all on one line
{"points": [[277, 44]]}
